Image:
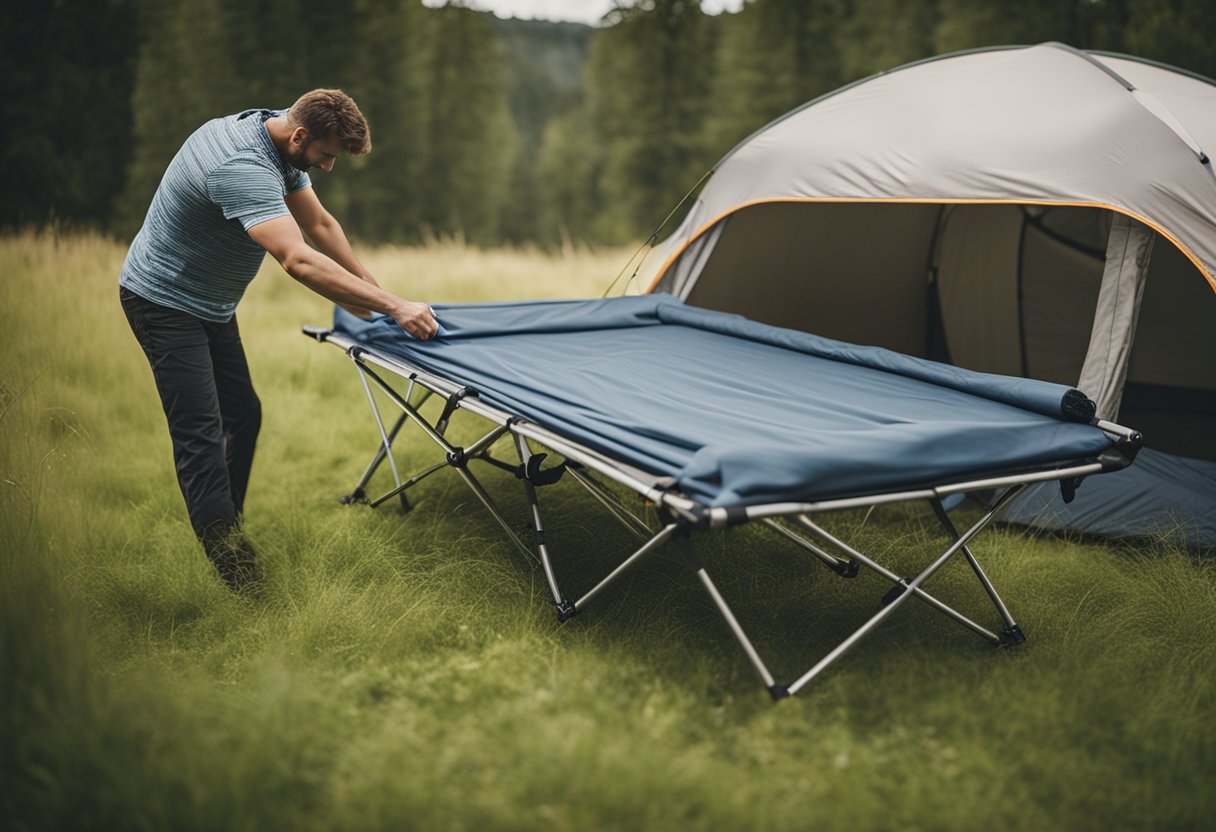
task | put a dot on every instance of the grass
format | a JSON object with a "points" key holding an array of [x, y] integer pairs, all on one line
{"points": [[407, 673]]}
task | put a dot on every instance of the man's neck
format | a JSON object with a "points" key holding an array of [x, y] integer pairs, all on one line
{"points": [[280, 133]]}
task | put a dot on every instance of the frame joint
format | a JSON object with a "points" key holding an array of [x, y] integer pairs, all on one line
{"points": [[1012, 636], [779, 692], [453, 402]]}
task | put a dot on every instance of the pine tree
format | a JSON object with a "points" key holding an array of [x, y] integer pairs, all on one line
{"points": [[648, 84], [1180, 33], [772, 56], [877, 35], [569, 171], [469, 138], [65, 117], [385, 203]]}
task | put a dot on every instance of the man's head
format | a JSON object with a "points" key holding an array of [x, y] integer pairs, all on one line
{"points": [[325, 124]]}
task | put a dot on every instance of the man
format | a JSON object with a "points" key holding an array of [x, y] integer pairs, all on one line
{"points": [[239, 188]]}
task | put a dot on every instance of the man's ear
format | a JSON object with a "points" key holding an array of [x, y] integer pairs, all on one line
{"points": [[299, 136]]}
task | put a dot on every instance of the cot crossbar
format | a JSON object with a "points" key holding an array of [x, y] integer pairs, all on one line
{"points": [[679, 517]]}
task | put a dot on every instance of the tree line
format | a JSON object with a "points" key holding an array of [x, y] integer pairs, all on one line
{"points": [[477, 129]]}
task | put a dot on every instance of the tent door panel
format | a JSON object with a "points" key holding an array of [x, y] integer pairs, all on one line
{"points": [[856, 272]]}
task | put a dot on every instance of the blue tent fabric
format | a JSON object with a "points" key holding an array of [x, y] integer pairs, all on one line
{"points": [[739, 413], [1162, 496]]}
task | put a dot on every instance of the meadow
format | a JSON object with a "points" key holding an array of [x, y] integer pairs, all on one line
{"points": [[407, 672]]}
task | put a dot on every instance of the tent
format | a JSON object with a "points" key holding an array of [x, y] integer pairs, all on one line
{"points": [[1036, 211]]}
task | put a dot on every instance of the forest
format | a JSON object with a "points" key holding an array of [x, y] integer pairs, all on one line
{"points": [[490, 131]]}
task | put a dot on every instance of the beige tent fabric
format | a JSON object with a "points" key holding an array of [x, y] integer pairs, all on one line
{"points": [[795, 266], [978, 269], [1059, 291], [1110, 343], [1040, 124]]}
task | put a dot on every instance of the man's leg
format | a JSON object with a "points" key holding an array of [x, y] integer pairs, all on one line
{"points": [[178, 349], [240, 409]]}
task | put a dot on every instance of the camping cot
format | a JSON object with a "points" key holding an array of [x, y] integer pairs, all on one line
{"points": [[714, 420]]}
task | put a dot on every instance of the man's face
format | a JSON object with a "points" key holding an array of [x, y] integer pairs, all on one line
{"points": [[306, 152]]}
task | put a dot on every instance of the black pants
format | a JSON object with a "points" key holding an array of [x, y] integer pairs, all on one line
{"points": [[213, 413]]}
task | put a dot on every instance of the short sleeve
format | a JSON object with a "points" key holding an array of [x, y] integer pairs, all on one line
{"points": [[248, 191], [297, 181]]}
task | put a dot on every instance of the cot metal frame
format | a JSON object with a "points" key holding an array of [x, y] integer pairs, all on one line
{"points": [[680, 517]]}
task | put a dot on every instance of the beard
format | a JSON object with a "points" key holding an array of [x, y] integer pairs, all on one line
{"points": [[298, 159]]}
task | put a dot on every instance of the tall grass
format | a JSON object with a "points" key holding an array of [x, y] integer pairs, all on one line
{"points": [[406, 672]]}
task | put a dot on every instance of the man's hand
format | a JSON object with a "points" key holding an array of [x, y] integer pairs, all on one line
{"points": [[415, 318]]}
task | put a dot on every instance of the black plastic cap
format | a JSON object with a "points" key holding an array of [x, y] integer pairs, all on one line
{"points": [[778, 692], [1012, 636], [736, 515], [566, 610], [1077, 407], [356, 496]]}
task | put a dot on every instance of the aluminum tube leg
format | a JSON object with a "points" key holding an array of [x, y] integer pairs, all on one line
{"points": [[564, 608], [376, 460], [837, 565], [476, 448], [1012, 632], [412, 481], [405, 406], [655, 542], [627, 518], [694, 563], [486, 501], [386, 442], [858, 557], [865, 629], [484, 443]]}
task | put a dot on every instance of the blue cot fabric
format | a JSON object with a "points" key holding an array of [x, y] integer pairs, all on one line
{"points": [[193, 252], [739, 413]]}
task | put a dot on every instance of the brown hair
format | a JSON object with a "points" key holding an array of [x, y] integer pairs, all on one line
{"points": [[326, 113]]}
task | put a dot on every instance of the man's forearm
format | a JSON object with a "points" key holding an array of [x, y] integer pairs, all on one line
{"points": [[330, 239], [328, 278], [321, 273]]}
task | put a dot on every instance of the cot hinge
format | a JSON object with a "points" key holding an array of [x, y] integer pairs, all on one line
{"points": [[532, 473], [449, 408], [1122, 453], [685, 519]]}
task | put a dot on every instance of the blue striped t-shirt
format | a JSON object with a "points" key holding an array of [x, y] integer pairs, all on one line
{"points": [[193, 252]]}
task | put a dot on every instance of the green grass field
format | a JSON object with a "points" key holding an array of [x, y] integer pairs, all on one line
{"points": [[406, 672]]}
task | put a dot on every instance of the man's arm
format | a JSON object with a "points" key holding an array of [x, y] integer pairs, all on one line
{"points": [[324, 231], [281, 237], [326, 234]]}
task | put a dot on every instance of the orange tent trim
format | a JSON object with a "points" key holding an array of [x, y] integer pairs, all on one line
{"points": [[1211, 279]]}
